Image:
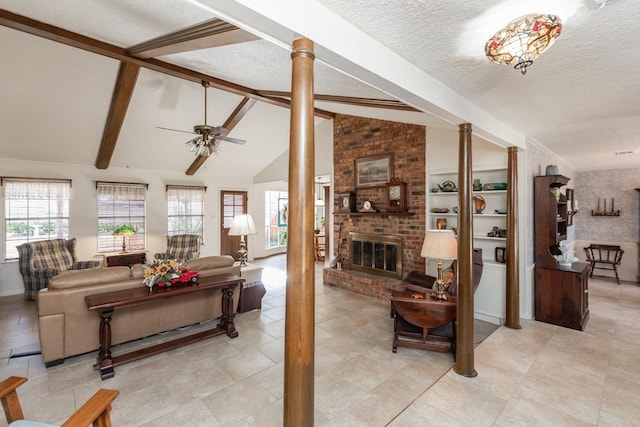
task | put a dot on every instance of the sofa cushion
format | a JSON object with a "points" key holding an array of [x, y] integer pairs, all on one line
{"points": [[51, 254], [75, 278], [209, 262], [137, 271]]}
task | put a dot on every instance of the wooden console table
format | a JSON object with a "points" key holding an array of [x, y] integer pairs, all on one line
{"points": [[105, 304]]}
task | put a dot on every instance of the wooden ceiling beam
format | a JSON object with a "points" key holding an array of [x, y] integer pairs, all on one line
{"points": [[389, 104], [125, 83], [234, 118], [212, 33], [69, 38]]}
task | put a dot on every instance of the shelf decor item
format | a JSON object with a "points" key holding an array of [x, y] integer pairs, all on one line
{"points": [[479, 203], [397, 195]]}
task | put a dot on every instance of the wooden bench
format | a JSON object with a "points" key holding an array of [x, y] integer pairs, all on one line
{"points": [[604, 257]]}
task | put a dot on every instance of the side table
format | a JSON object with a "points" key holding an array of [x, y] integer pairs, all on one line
{"points": [[127, 259], [252, 290]]}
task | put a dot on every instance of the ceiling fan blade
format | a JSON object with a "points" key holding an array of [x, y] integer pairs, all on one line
{"points": [[229, 139], [176, 130]]}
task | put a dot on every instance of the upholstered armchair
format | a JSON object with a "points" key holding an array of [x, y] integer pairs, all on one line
{"points": [[421, 322], [96, 411], [40, 261], [182, 247]]}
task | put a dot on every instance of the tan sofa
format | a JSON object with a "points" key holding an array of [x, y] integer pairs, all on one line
{"points": [[67, 328]]}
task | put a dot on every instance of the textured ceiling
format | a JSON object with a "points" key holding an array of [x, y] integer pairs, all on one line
{"points": [[580, 99]]}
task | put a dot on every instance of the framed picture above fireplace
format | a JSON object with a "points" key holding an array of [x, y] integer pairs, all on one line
{"points": [[374, 171]]}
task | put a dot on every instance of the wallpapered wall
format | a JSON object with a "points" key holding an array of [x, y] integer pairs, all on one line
{"points": [[619, 184]]}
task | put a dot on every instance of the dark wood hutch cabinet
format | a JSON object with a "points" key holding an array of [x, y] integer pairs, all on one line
{"points": [[561, 293]]}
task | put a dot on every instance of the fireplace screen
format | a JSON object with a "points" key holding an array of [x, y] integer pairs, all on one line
{"points": [[378, 254]]}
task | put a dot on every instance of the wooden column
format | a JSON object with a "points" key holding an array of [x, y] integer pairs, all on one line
{"points": [[513, 271], [299, 311], [464, 351]]}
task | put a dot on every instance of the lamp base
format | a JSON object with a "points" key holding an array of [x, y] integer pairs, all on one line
{"points": [[439, 294], [242, 255]]}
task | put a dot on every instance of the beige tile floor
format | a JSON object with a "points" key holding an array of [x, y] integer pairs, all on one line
{"points": [[541, 375]]}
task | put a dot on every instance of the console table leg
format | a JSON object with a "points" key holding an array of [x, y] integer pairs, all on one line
{"points": [[226, 320], [105, 362]]}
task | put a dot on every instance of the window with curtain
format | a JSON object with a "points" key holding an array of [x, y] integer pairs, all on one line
{"points": [[35, 209], [275, 235], [121, 205], [185, 210]]}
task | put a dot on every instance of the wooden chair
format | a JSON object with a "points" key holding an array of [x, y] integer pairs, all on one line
{"points": [[319, 246], [94, 412], [610, 256]]}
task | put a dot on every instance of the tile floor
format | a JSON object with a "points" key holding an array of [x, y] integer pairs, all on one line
{"points": [[541, 375]]}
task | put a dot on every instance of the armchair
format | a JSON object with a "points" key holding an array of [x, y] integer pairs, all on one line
{"points": [[40, 261], [421, 322], [95, 411], [182, 247]]}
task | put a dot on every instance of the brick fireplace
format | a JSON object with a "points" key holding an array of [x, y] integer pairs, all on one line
{"points": [[358, 137]]}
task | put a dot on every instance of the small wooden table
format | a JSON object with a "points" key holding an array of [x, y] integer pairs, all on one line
{"points": [[127, 259], [106, 303]]}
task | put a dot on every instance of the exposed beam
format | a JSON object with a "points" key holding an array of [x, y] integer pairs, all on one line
{"points": [[125, 83], [69, 38], [241, 110], [212, 33], [389, 104]]}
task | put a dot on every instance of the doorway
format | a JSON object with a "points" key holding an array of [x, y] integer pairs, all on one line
{"points": [[232, 203]]}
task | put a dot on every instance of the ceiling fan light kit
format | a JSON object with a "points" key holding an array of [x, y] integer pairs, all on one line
{"points": [[209, 137], [520, 43]]}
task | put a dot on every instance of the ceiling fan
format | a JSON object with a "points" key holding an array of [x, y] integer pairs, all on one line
{"points": [[209, 137]]}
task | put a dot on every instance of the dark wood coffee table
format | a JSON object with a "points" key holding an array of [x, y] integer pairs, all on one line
{"points": [[107, 303]]}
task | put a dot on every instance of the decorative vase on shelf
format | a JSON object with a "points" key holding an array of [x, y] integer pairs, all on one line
{"points": [[479, 203]]}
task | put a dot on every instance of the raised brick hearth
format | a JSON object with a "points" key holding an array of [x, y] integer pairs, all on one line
{"points": [[361, 283]]}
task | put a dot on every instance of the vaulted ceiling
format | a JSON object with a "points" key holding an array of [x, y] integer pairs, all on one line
{"points": [[91, 82]]}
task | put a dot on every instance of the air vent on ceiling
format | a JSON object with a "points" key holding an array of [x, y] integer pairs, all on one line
{"points": [[622, 153]]}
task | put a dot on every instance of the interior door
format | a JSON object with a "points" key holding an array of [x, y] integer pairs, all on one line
{"points": [[232, 203]]}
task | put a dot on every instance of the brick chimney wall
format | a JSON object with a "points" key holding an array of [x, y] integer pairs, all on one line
{"points": [[357, 137]]}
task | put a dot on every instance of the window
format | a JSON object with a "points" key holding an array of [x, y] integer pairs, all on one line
{"points": [[35, 209], [185, 206], [275, 236], [121, 204]]}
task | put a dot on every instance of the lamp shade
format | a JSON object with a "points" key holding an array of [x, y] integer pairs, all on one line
{"points": [[440, 244], [124, 230], [242, 225]]}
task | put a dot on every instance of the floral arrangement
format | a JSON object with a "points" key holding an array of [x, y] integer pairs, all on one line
{"points": [[161, 271]]}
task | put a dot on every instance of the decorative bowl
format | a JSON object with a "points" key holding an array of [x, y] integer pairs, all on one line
{"points": [[439, 210]]}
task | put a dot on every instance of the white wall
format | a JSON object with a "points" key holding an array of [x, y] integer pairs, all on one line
{"points": [[274, 178], [83, 207]]}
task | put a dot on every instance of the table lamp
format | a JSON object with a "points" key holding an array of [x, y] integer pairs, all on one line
{"points": [[124, 231], [242, 225], [439, 244]]}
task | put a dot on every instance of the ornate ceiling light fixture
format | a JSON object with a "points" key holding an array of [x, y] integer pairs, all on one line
{"points": [[523, 40]]}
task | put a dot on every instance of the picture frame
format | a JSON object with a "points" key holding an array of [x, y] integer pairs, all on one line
{"points": [[501, 254], [373, 171], [283, 212]]}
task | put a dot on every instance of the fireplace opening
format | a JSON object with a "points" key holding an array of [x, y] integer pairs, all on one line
{"points": [[378, 254]]}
